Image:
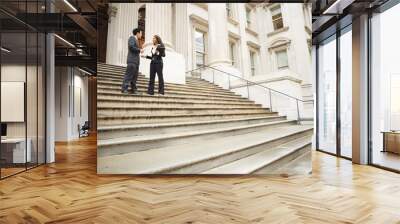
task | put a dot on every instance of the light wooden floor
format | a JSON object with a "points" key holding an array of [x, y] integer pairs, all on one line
{"points": [[387, 159], [69, 191]]}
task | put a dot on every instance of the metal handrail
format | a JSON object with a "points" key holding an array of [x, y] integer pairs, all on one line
{"points": [[253, 84]]}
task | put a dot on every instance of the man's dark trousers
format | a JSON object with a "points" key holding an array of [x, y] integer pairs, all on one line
{"points": [[130, 77]]}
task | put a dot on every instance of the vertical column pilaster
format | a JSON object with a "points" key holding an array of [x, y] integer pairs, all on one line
{"points": [[218, 39], [360, 90]]}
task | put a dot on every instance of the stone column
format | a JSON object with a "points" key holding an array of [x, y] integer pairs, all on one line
{"points": [[122, 20], [218, 47], [159, 21], [182, 33], [360, 90], [50, 93], [218, 39]]}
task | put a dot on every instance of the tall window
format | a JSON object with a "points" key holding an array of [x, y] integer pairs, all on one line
{"points": [[327, 96], [248, 17], [200, 49], [385, 89], [394, 102], [277, 19], [232, 53], [282, 59], [229, 10], [346, 94], [307, 14], [253, 63]]}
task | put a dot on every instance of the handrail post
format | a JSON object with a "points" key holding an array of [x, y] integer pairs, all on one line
{"points": [[213, 75], [270, 100], [200, 74], [229, 82], [248, 92], [298, 111]]}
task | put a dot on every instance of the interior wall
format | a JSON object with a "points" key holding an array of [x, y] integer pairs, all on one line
{"points": [[71, 87], [92, 106], [16, 73]]}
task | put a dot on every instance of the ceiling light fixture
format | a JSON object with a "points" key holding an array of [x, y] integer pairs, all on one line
{"points": [[5, 50], [70, 5], [64, 40], [337, 7], [333, 6], [86, 72]]}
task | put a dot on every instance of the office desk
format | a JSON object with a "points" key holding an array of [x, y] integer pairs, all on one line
{"points": [[391, 141], [13, 150]]}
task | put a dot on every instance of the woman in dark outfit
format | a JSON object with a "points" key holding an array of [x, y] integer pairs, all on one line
{"points": [[156, 65]]}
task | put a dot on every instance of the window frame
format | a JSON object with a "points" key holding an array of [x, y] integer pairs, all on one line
{"points": [[196, 52], [253, 62], [277, 52], [278, 20], [248, 17], [229, 10]]}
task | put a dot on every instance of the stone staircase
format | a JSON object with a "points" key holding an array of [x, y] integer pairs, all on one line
{"points": [[196, 128]]}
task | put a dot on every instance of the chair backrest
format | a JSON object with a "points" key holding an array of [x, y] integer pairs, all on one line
{"points": [[86, 125]]}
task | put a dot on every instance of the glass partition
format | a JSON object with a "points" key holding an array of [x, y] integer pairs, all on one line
{"points": [[346, 92], [22, 78], [327, 95], [385, 89], [14, 144]]}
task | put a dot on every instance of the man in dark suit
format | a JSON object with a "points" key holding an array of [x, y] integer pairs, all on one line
{"points": [[133, 61]]}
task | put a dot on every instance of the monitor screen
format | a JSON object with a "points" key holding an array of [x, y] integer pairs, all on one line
{"points": [[3, 129]]}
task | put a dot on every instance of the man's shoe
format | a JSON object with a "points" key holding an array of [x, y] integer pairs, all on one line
{"points": [[124, 91]]}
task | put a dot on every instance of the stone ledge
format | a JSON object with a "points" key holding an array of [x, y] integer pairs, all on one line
{"points": [[281, 30], [252, 32], [233, 21]]}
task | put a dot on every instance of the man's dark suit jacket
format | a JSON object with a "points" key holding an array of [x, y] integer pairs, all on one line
{"points": [[133, 51]]}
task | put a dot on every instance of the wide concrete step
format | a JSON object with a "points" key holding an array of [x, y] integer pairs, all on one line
{"points": [[158, 100], [117, 131], [117, 84], [163, 104], [144, 80], [146, 97], [101, 90], [268, 159], [121, 70], [150, 111], [140, 143], [166, 105], [299, 163], [170, 118], [142, 88], [199, 156], [102, 65], [121, 73], [104, 100]]}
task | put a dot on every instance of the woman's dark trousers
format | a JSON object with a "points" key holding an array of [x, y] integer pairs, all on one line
{"points": [[156, 68]]}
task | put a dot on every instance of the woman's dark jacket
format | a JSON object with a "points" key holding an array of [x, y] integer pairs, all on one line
{"points": [[157, 58]]}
